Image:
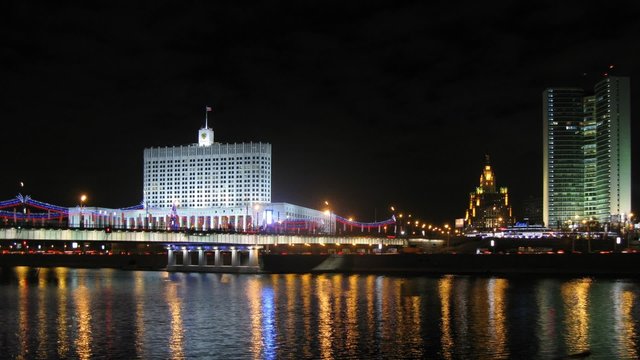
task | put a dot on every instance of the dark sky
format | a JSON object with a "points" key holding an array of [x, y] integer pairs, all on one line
{"points": [[366, 104]]}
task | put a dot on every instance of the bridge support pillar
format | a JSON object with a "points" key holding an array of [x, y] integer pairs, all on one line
{"points": [[217, 261], [186, 257], [171, 257], [234, 257], [201, 261], [253, 255]]}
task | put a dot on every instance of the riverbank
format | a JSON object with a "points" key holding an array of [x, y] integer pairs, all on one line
{"points": [[608, 264]]}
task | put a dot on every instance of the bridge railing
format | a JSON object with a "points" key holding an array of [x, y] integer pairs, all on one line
{"points": [[190, 231]]}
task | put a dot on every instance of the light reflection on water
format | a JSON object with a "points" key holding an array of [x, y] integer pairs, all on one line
{"points": [[82, 298], [81, 314]]}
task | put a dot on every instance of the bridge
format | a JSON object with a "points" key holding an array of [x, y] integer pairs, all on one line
{"points": [[185, 251], [190, 243]]}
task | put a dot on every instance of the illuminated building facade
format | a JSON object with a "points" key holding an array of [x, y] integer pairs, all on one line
{"points": [[488, 207], [207, 174], [563, 176], [587, 153]]}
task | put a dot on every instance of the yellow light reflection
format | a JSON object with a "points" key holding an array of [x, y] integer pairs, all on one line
{"points": [[336, 311], [305, 292], [82, 299], [444, 288], [575, 295], [61, 321], [497, 289], [176, 341], [352, 316], [254, 296], [325, 321], [629, 335], [23, 310]]}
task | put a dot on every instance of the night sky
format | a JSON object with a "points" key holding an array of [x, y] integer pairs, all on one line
{"points": [[366, 104]]}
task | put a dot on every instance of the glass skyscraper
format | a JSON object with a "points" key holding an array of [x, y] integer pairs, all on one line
{"points": [[587, 154]]}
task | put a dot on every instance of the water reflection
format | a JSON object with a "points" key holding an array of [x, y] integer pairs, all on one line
{"points": [[65, 313], [325, 321], [43, 332], [253, 295], [176, 337], [623, 300], [575, 296], [82, 300], [307, 314], [62, 317], [139, 294], [496, 289], [351, 310], [444, 289], [23, 311]]}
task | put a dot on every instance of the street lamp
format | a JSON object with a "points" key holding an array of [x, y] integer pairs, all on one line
{"points": [[83, 198], [446, 226], [393, 213]]}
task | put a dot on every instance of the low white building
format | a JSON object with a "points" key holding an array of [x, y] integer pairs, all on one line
{"points": [[279, 217]]}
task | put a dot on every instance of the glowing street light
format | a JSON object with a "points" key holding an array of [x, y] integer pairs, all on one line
{"points": [[83, 199]]}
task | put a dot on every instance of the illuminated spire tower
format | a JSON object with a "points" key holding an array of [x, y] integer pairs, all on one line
{"points": [[488, 209]]}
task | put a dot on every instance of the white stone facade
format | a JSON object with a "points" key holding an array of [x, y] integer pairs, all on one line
{"points": [[207, 176], [280, 217]]}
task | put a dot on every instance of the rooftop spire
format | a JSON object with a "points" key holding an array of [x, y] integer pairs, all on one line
{"points": [[207, 110], [205, 135], [487, 179]]}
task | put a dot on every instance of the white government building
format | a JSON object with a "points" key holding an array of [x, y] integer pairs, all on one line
{"points": [[206, 186]]}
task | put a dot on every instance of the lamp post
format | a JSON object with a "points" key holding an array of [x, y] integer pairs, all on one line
{"points": [[393, 213], [446, 226], [83, 198]]}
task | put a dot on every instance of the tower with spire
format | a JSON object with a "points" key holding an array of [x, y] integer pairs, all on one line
{"points": [[488, 208], [205, 134]]}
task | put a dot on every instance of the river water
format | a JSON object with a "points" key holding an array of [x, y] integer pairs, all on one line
{"points": [[111, 314]]}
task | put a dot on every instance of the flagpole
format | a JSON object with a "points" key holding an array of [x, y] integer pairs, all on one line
{"points": [[206, 117]]}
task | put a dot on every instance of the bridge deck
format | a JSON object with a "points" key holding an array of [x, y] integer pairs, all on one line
{"points": [[99, 235]]}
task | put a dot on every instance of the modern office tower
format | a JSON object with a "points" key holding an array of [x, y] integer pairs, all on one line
{"points": [[563, 174], [613, 148], [590, 165], [488, 208], [207, 174], [587, 154]]}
